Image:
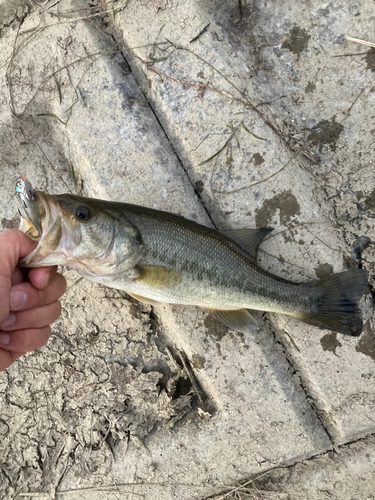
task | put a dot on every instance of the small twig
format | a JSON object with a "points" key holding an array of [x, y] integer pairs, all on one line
{"points": [[191, 377], [213, 89], [35, 142], [361, 42], [200, 33], [355, 100], [324, 243], [217, 152], [293, 264], [254, 184], [61, 69], [71, 20]]}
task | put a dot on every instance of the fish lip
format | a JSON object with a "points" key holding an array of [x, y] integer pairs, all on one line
{"points": [[48, 221], [45, 218]]}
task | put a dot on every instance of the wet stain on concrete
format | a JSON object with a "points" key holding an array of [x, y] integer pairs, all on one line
{"points": [[297, 40], [323, 270], [198, 361], [199, 186], [286, 202], [310, 87], [366, 343], [370, 202], [258, 159], [370, 60], [215, 328], [11, 223], [326, 132], [330, 343]]}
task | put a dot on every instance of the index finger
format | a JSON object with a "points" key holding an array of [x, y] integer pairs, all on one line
{"points": [[13, 246]]}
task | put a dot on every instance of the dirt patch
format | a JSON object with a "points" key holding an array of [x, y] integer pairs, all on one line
{"points": [[297, 41], [323, 270], [330, 343], [370, 60], [366, 344], [326, 132], [258, 159], [287, 205]]}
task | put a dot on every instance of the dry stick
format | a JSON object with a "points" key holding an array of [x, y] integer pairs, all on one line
{"points": [[246, 103], [351, 107], [71, 20], [284, 261], [324, 243], [191, 378], [35, 142], [62, 68], [255, 183], [10, 66], [116, 487], [361, 42], [218, 91]]}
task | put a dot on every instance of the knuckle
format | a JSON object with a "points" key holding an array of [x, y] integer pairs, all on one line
{"points": [[28, 343], [63, 284], [56, 311]]}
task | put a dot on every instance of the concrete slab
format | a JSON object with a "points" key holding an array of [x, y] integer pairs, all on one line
{"points": [[104, 402], [208, 66], [349, 473]]}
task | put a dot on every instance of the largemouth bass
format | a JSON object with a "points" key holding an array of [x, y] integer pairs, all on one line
{"points": [[157, 256]]}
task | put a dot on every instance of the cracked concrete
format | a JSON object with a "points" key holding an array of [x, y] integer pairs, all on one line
{"points": [[166, 402]]}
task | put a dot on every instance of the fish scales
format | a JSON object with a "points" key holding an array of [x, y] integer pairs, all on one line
{"points": [[215, 272]]}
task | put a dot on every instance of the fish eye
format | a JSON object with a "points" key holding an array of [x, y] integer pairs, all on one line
{"points": [[83, 213]]}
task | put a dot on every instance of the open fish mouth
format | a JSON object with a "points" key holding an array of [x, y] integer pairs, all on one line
{"points": [[31, 223], [48, 237]]}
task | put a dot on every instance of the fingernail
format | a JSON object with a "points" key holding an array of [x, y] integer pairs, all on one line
{"points": [[4, 338], [46, 279], [17, 299], [8, 321]]}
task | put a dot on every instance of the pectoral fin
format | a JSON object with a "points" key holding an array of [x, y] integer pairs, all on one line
{"points": [[248, 239], [159, 277], [240, 320], [145, 300]]}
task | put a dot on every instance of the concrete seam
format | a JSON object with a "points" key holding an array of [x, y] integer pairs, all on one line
{"points": [[166, 135], [303, 384]]}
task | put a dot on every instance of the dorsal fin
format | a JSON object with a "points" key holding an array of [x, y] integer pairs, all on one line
{"points": [[248, 239]]}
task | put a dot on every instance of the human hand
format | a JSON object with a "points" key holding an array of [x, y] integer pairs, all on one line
{"points": [[28, 299]]}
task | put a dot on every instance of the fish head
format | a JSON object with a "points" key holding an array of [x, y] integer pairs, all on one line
{"points": [[91, 236]]}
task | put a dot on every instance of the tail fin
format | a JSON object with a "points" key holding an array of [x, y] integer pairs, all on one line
{"points": [[335, 304]]}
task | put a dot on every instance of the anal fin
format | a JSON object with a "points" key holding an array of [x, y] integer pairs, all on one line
{"points": [[145, 300], [239, 320]]}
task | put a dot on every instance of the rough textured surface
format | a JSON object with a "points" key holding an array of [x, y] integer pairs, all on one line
{"points": [[235, 116], [345, 474], [299, 167]]}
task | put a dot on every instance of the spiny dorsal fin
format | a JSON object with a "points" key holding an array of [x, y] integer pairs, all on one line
{"points": [[248, 239], [239, 320], [159, 277]]}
